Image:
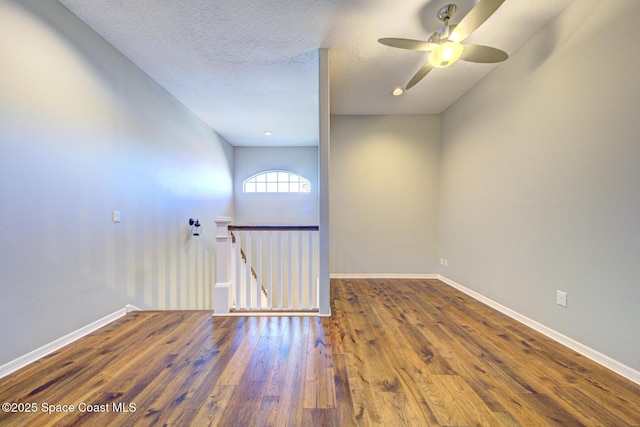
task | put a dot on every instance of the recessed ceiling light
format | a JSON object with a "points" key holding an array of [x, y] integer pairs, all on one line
{"points": [[267, 133], [397, 91]]}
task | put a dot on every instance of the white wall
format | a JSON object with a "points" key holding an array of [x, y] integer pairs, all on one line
{"points": [[84, 132], [540, 179], [383, 190], [276, 208]]}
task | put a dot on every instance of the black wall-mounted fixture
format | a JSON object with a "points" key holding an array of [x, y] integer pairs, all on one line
{"points": [[195, 226]]}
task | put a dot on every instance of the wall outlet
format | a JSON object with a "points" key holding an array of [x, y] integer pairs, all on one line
{"points": [[561, 298], [446, 262], [441, 261]]}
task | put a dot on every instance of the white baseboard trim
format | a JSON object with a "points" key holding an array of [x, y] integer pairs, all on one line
{"points": [[382, 276], [271, 314], [49, 348], [604, 360], [129, 308]]}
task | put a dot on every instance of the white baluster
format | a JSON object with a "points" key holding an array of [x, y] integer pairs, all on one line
{"points": [[259, 271], [269, 271], [310, 284], [249, 276], [289, 279], [279, 268], [300, 266], [239, 270], [232, 270]]}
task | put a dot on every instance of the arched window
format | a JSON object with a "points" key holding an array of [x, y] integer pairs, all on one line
{"points": [[276, 181]]}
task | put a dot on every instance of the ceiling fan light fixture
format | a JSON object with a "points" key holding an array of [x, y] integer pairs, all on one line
{"points": [[445, 54], [445, 44]]}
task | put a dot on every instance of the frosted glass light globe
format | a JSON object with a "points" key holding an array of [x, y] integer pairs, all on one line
{"points": [[445, 54]]}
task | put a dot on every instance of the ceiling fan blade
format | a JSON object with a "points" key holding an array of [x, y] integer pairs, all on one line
{"points": [[482, 54], [409, 44], [474, 19], [419, 75]]}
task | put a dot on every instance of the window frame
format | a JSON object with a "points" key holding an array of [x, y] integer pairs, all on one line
{"points": [[276, 181]]}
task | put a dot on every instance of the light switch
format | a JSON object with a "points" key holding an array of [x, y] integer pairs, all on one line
{"points": [[561, 298], [115, 216]]}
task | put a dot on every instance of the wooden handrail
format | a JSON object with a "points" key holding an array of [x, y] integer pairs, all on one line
{"points": [[274, 227]]}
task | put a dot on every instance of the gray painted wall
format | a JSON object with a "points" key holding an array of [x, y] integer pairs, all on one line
{"points": [[383, 191], [84, 132], [276, 208], [540, 179]]}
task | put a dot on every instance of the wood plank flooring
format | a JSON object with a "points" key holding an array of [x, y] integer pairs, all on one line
{"points": [[394, 353]]}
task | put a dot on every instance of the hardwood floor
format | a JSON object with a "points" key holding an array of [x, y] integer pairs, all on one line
{"points": [[395, 353]]}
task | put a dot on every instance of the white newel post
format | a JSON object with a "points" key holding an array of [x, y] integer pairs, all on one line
{"points": [[222, 291]]}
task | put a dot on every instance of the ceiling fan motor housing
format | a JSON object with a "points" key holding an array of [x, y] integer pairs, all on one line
{"points": [[442, 34]]}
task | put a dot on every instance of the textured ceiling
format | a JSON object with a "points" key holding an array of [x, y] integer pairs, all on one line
{"points": [[248, 66]]}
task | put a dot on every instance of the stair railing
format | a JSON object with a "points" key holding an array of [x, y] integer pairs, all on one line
{"points": [[268, 268]]}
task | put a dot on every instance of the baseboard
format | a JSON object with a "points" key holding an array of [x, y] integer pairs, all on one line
{"points": [[129, 308], [604, 360], [49, 348], [382, 276], [283, 313]]}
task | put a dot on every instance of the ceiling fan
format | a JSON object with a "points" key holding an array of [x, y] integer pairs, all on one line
{"points": [[445, 45]]}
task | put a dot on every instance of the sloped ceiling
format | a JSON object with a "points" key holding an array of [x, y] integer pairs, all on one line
{"points": [[250, 66]]}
